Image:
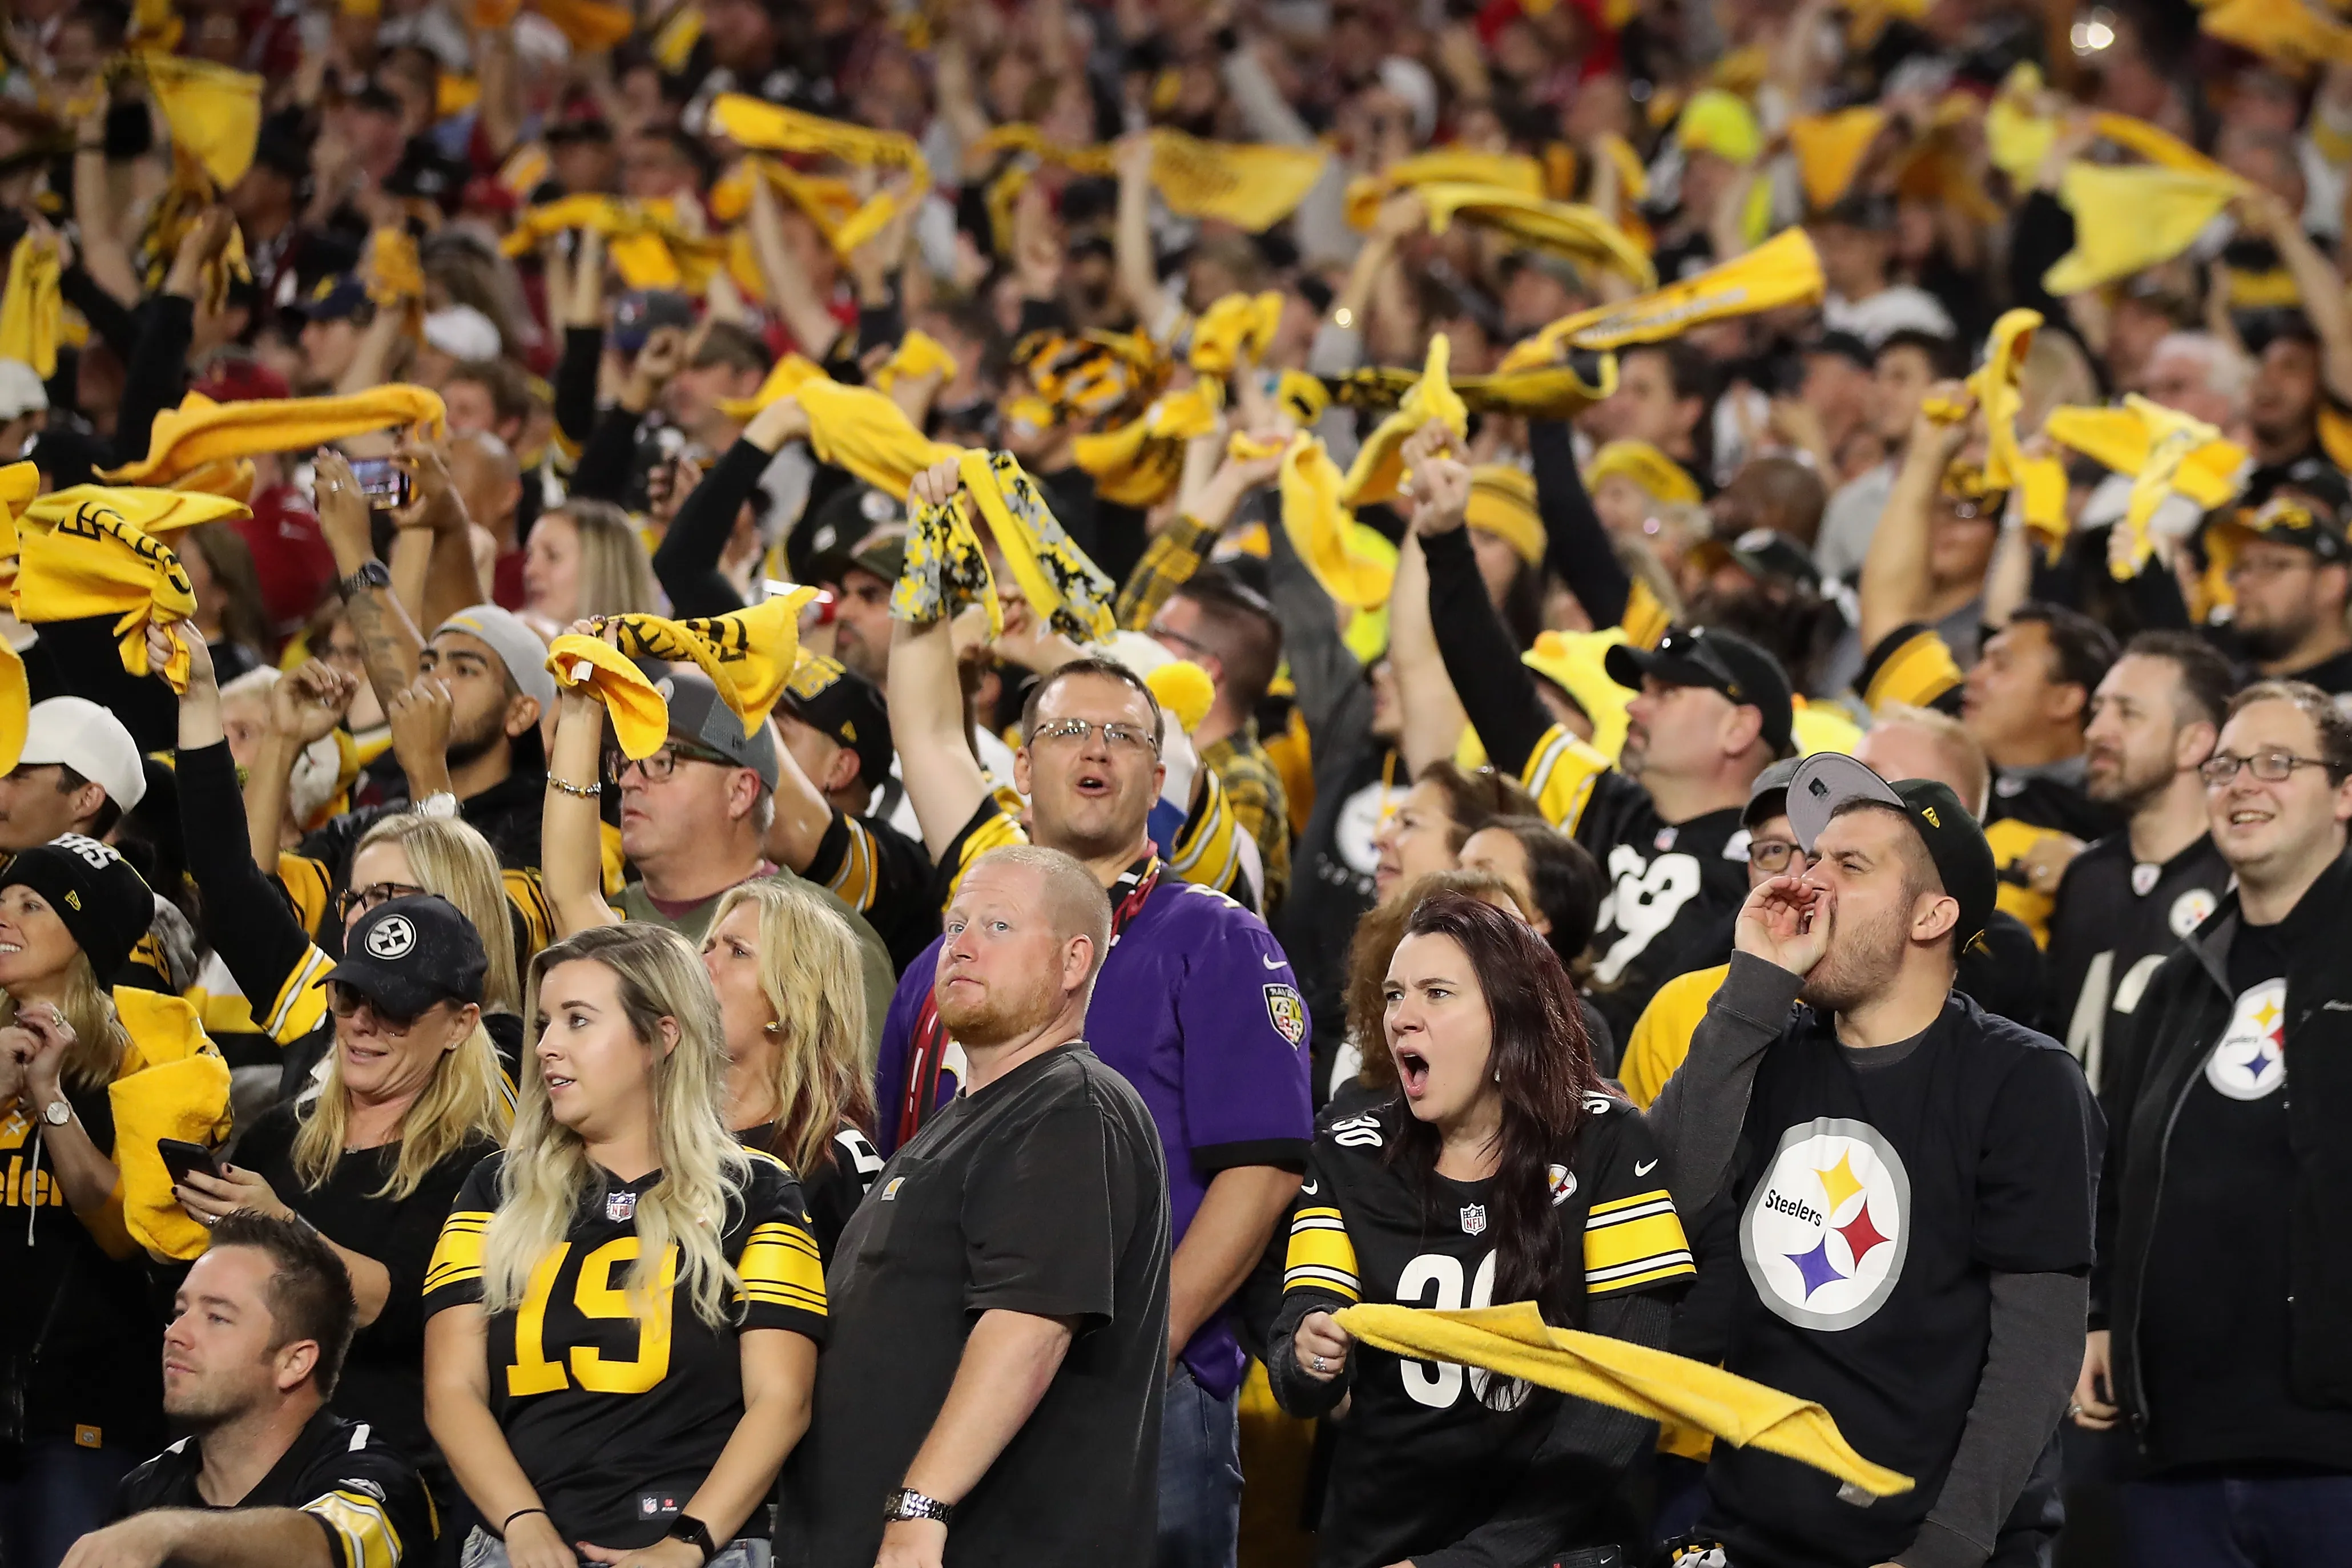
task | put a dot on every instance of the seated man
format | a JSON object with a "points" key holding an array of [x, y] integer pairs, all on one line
{"points": [[265, 1474]]}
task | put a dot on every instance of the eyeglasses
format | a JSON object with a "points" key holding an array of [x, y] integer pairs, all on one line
{"points": [[1077, 731], [663, 762], [1190, 645], [354, 901], [344, 1002], [2269, 767], [1772, 856]]}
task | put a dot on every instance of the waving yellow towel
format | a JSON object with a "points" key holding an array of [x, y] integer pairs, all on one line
{"points": [[748, 657], [1138, 463], [1672, 1390], [648, 243], [32, 307], [201, 432], [947, 567], [859, 429], [2127, 219], [215, 113], [1379, 468], [1441, 166], [1830, 149], [98, 562], [1235, 325], [1566, 228], [1250, 187], [1784, 270]]}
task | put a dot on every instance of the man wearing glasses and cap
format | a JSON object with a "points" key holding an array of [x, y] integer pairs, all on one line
{"points": [[1910, 1177], [2290, 573]]}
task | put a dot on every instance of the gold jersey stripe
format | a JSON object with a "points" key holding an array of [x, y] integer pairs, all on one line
{"points": [[364, 1533], [458, 1256], [1560, 774], [1321, 1255]]}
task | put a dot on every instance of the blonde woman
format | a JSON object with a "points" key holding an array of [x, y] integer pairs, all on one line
{"points": [[583, 558], [623, 1314], [412, 1100], [81, 1104], [791, 1005]]}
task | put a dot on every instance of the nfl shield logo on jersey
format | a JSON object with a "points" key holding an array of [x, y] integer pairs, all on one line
{"points": [[1287, 1011], [1474, 1219], [620, 1207]]}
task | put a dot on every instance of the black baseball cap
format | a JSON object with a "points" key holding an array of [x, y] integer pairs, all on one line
{"points": [[2304, 503], [844, 706], [407, 954], [1828, 780], [106, 906], [882, 552], [1721, 661], [1763, 554]]}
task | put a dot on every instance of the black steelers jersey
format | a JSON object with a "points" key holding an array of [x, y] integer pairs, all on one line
{"points": [[616, 1416], [375, 1512], [1429, 1451], [2117, 919], [1673, 890]]}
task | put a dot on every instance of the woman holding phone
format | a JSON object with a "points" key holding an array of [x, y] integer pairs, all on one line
{"points": [[409, 1091]]}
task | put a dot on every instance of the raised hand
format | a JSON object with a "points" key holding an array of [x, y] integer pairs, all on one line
{"points": [[1786, 922], [308, 704]]}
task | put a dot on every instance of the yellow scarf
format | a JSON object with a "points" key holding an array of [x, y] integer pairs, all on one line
{"points": [[747, 655], [98, 562], [1784, 270], [1565, 228], [201, 432], [31, 307], [947, 567], [1252, 187], [1672, 1390]]}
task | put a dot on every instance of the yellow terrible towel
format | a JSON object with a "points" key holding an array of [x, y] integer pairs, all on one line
{"points": [[748, 657], [174, 1084], [1673, 1391], [32, 307], [947, 567], [1446, 165], [1379, 468], [1830, 149], [2173, 437], [1322, 529], [98, 562], [201, 431], [1566, 228], [1235, 325], [2128, 219], [1138, 463], [215, 113], [1548, 391], [791, 372], [859, 429], [1250, 187], [1784, 270]]}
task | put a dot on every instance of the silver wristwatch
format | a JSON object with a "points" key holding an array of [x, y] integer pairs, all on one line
{"points": [[904, 1504]]}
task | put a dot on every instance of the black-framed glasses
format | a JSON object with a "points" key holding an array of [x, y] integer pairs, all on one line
{"points": [[345, 1002], [355, 901], [1777, 857], [663, 762], [2269, 767], [1192, 646], [1119, 737]]}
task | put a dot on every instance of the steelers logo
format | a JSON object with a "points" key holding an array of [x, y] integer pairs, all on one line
{"points": [[1360, 818], [2251, 1061], [392, 938], [1827, 1230], [2189, 910]]}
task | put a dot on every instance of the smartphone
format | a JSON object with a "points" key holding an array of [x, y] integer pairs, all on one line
{"points": [[180, 1156], [383, 481]]}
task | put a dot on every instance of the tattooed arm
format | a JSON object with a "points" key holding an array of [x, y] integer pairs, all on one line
{"points": [[389, 642]]}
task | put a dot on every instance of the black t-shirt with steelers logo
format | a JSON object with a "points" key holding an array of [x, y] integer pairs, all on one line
{"points": [[616, 1414], [1877, 1192], [1430, 1451]]}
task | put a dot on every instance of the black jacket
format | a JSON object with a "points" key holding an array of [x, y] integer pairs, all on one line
{"points": [[2179, 1021]]}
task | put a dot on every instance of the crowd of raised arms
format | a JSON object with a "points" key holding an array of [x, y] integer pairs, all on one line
{"points": [[1175, 784]]}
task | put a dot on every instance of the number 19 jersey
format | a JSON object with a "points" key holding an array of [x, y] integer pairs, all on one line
{"points": [[1430, 1450], [617, 1410]]}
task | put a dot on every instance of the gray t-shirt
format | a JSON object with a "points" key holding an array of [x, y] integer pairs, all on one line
{"points": [[873, 957]]}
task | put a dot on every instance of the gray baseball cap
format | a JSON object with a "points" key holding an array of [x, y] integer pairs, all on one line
{"points": [[698, 717], [516, 645]]}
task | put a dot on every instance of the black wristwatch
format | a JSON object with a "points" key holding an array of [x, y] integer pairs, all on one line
{"points": [[375, 574], [907, 1503], [696, 1534]]}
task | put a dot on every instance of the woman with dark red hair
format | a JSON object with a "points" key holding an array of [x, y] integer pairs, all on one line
{"points": [[1501, 1171]]}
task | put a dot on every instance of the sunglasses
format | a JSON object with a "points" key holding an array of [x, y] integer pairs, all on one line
{"points": [[345, 1002]]}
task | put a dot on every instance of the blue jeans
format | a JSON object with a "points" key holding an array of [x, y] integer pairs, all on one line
{"points": [[64, 1492], [1200, 1475], [2255, 1522]]}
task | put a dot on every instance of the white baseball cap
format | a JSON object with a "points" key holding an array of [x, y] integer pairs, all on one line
{"points": [[462, 332], [84, 737]]}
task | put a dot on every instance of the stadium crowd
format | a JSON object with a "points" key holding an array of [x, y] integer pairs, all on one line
{"points": [[1381, 783]]}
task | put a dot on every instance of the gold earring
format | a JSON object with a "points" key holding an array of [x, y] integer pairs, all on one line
{"points": [[771, 1029]]}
